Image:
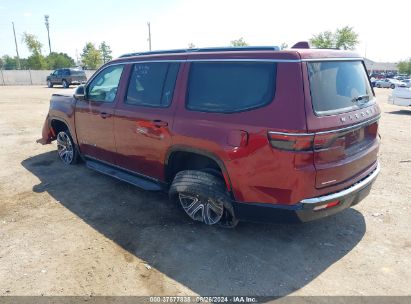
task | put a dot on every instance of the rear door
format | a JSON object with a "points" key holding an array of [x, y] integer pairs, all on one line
{"points": [[343, 115], [94, 116], [144, 118]]}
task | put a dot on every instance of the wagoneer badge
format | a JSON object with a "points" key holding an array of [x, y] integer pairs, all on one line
{"points": [[368, 112]]}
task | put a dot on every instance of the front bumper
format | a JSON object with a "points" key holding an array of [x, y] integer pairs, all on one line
{"points": [[305, 210]]}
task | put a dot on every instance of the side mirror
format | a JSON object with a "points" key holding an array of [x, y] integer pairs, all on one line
{"points": [[80, 93]]}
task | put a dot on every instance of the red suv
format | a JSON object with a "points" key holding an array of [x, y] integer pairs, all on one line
{"points": [[232, 134]]}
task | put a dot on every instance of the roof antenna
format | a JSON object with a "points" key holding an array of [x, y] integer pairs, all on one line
{"points": [[301, 45]]}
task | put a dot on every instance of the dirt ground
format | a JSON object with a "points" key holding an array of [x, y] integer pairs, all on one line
{"points": [[72, 231]]}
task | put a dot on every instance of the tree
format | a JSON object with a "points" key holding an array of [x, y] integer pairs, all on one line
{"points": [[404, 66], [91, 57], [36, 61], [105, 51], [324, 40], [1, 63], [58, 61], [238, 42], [9, 63], [343, 38], [346, 38]]}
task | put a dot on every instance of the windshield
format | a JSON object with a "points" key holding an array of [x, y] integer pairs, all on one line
{"points": [[338, 86]]}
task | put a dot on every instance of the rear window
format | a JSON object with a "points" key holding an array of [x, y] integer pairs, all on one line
{"points": [[227, 87], [338, 86], [77, 73]]}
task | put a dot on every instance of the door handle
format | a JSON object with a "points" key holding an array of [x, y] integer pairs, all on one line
{"points": [[104, 115], [160, 123]]}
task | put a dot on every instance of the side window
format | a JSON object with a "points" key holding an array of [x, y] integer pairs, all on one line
{"points": [[227, 87], [104, 86], [66, 72], [59, 72], [152, 84]]}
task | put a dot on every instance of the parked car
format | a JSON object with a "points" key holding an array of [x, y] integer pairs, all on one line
{"points": [[389, 83], [66, 77], [231, 134], [407, 82], [401, 96]]}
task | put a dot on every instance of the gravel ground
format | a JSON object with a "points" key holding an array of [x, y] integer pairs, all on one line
{"points": [[71, 231]]}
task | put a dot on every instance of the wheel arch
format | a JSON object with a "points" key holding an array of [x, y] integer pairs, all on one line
{"points": [[60, 120], [173, 151]]}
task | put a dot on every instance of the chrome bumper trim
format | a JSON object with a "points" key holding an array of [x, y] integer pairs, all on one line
{"points": [[356, 187]]}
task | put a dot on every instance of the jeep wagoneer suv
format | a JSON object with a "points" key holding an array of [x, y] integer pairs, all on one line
{"points": [[232, 134]]}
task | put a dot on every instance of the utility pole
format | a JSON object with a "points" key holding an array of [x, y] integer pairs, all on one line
{"points": [[46, 18], [17, 49], [149, 36]]}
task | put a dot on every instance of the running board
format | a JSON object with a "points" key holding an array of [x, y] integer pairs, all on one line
{"points": [[124, 176]]}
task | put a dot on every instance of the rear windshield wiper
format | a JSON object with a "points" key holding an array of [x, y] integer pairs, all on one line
{"points": [[362, 98]]}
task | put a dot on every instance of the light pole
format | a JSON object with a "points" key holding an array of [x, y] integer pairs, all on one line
{"points": [[17, 49], [46, 18], [149, 36]]}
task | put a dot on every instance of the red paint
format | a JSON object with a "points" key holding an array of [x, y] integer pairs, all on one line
{"points": [[140, 138]]}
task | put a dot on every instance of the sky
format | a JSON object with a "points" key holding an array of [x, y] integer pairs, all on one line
{"points": [[384, 29]]}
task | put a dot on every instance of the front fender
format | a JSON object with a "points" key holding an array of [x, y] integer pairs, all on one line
{"points": [[62, 108]]}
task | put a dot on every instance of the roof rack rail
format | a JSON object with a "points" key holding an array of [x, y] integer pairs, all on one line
{"points": [[209, 49]]}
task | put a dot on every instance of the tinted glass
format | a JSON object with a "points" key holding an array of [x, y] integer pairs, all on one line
{"points": [[104, 85], [77, 73], [338, 86], [152, 84], [230, 86]]}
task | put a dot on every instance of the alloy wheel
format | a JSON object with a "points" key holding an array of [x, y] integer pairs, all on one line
{"points": [[206, 210], [65, 148]]}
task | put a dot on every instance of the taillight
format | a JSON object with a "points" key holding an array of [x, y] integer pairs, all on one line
{"points": [[291, 142]]}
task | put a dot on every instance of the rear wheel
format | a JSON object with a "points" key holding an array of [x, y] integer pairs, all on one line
{"points": [[49, 84], [203, 197], [66, 149], [393, 86], [65, 84]]}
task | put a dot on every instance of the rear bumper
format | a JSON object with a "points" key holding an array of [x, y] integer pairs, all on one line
{"points": [[305, 210]]}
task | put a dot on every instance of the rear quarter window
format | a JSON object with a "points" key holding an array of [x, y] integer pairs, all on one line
{"points": [[78, 73], [226, 87]]}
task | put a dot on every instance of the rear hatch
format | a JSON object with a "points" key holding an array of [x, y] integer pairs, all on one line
{"points": [[343, 116], [78, 75]]}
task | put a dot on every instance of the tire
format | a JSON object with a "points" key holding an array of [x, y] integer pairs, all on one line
{"points": [[49, 84], [65, 84], [378, 85], [66, 149], [203, 197], [392, 86]]}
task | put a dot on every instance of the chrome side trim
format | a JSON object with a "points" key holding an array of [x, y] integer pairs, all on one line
{"points": [[290, 134], [369, 121], [358, 186], [333, 59], [243, 60], [231, 59]]}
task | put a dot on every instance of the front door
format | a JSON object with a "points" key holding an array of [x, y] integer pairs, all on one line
{"points": [[144, 119], [94, 115]]}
